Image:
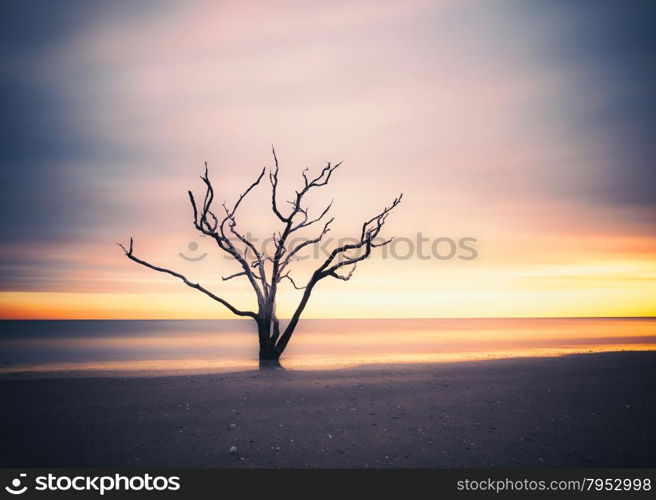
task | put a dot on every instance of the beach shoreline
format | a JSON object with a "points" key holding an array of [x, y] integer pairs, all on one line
{"points": [[583, 410]]}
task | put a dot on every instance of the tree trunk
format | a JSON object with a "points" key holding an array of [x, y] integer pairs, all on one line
{"points": [[268, 351]]}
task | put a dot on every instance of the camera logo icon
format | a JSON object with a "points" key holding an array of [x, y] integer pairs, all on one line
{"points": [[15, 488]]}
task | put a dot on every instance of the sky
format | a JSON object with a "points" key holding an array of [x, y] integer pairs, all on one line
{"points": [[528, 126]]}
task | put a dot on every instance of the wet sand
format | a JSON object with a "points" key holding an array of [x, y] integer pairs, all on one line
{"points": [[590, 410]]}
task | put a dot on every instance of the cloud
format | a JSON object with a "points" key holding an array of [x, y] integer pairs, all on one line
{"points": [[506, 120]]}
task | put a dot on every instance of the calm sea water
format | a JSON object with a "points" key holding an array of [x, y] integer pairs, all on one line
{"points": [[154, 346]]}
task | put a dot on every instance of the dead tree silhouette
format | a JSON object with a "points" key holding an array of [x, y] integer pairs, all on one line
{"points": [[264, 272]]}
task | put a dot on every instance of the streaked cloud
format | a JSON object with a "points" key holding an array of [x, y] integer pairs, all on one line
{"points": [[527, 126]]}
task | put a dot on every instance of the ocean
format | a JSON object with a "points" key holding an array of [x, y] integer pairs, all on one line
{"points": [[142, 347]]}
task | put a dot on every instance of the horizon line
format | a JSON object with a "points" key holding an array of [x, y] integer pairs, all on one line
{"points": [[327, 319]]}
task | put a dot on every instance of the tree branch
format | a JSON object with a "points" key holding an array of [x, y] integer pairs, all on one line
{"points": [[305, 243], [306, 223], [370, 230], [286, 275], [236, 275], [273, 178], [186, 281], [346, 277], [217, 231]]}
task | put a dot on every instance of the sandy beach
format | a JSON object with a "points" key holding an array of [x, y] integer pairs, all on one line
{"points": [[591, 410]]}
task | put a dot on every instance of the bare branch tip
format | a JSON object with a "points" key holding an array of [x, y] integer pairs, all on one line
{"points": [[127, 252]]}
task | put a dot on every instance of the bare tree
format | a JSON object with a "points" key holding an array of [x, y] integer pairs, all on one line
{"points": [[265, 272]]}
